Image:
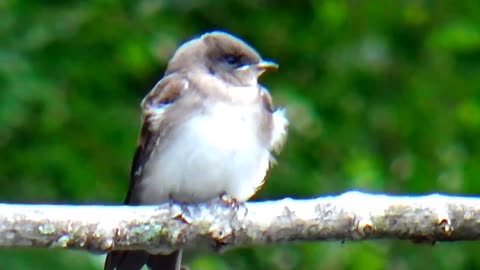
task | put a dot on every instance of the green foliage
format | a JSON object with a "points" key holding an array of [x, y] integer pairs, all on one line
{"points": [[382, 96]]}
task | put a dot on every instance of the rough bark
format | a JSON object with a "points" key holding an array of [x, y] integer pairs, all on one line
{"points": [[350, 216]]}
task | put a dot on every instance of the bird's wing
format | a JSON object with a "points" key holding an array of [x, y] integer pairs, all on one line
{"points": [[279, 123], [153, 106]]}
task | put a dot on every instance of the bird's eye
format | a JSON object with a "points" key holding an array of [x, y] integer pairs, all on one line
{"points": [[231, 59]]}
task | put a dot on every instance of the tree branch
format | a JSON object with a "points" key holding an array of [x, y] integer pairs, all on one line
{"points": [[350, 216]]}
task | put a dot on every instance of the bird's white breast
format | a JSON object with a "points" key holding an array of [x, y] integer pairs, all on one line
{"points": [[214, 152]]}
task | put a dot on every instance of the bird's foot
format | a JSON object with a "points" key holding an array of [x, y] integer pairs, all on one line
{"points": [[171, 201], [229, 201]]}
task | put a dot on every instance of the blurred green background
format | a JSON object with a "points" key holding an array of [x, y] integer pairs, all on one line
{"points": [[383, 96]]}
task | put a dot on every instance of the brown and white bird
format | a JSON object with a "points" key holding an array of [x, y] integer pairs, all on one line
{"points": [[209, 129]]}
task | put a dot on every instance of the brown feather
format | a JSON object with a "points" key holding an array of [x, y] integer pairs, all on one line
{"points": [[163, 93]]}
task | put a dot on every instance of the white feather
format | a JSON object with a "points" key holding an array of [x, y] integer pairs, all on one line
{"points": [[215, 152], [279, 130]]}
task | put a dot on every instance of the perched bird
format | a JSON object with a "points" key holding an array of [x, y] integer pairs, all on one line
{"points": [[209, 129]]}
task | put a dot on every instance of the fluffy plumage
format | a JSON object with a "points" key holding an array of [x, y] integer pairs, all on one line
{"points": [[208, 129]]}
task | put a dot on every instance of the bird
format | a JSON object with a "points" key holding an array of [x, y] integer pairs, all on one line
{"points": [[209, 129]]}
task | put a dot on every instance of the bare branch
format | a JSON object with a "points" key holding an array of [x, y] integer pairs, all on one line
{"points": [[350, 216]]}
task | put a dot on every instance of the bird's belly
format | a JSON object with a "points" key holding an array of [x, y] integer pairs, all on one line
{"points": [[212, 154]]}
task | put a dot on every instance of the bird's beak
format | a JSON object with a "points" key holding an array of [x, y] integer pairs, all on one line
{"points": [[266, 65], [259, 68]]}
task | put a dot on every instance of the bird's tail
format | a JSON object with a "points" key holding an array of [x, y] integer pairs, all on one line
{"points": [[136, 259]]}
